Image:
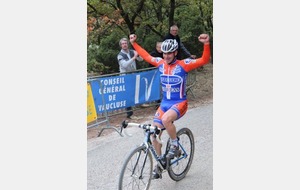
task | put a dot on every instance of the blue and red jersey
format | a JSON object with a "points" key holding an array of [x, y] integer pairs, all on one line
{"points": [[173, 77]]}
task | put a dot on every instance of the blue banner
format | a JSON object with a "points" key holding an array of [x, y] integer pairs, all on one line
{"points": [[125, 90]]}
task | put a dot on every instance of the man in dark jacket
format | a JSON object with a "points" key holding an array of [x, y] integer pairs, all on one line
{"points": [[182, 51], [156, 52]]}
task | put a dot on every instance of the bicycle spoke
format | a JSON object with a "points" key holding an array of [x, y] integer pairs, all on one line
{"points": [[136, 171]]}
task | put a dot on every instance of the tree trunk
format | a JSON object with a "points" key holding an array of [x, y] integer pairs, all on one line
{"points": [[172, 11]]}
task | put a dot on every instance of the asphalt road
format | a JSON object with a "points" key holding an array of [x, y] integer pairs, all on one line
{"points": [[105, 155]]}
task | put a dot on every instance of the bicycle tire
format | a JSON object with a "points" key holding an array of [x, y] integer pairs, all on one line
{"points": [[135, 181], [178, 170]]}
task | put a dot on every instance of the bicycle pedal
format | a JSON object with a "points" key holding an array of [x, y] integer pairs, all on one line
{"points": [[177, 153], [156, 176], [157, 173]]}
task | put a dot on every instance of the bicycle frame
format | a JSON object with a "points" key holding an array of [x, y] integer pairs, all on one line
{"points": [[181, 157], [148, 144]]}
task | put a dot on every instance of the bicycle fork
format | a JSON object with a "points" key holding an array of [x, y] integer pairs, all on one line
{"points": [[137, 161]]}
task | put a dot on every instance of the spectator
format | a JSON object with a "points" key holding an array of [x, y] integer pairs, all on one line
{"points": [[157, 53], [182, 51], [126, 59]]}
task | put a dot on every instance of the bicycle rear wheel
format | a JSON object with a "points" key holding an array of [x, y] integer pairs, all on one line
{"points": [[137, 170], [179, 166]]}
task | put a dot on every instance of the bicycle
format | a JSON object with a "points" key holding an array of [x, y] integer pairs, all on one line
{"points": [[136, 172]]}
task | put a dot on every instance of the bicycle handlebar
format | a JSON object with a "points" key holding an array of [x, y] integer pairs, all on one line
{"points": [[150, 127], [147, 127], [125, 124]]}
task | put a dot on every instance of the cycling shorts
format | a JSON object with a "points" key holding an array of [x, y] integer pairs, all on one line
{"points": [[180, 107]]}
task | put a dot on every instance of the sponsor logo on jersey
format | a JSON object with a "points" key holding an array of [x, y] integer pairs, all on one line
{"points": [[187, 61], [165, 89], [176, 70], [156, 114], [156, 59], [170, 79]]}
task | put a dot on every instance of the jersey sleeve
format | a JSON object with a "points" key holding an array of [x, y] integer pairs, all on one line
{"points": [[190, 64], [146, 56]]}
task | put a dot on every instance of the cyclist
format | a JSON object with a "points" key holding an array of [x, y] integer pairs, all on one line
{"points": [[173, 75]]}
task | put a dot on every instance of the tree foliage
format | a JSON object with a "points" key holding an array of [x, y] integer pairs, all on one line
{"points": [[110, 20]]}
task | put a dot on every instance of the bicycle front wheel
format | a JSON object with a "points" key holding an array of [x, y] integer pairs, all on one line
{"points": [[179, 166], [137, 170]]}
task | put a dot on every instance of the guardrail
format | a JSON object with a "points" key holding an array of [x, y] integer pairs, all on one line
{"points": [[103, 116]]}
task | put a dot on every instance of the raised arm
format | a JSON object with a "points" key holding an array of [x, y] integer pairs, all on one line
{"points": [[143, 53], [204, 59]]}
